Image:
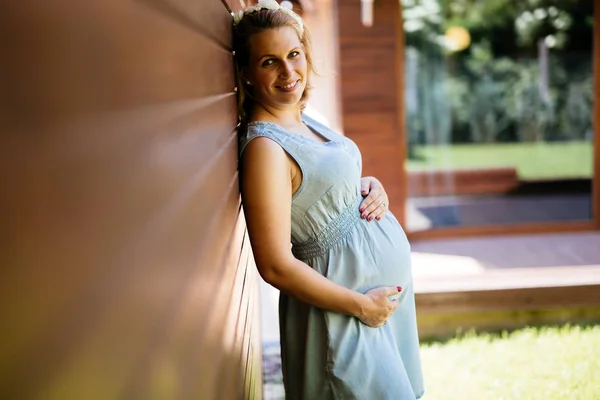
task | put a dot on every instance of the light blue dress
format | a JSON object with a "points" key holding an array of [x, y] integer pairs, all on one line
{"points": [[326, 355]]}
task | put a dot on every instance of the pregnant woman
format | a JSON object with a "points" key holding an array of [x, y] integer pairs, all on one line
{"points": [[347, 309]]}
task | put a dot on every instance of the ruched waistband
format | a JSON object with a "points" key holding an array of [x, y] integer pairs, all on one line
{"points": [[339, 227]]}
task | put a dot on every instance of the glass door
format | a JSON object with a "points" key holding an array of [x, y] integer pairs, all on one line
{"points": [[499, 105]]}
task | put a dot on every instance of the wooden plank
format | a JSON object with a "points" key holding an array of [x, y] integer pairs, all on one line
{"points": [[241, 320], [443, 326], [509, 299], [507, 229], [349, 11], [401, 113], [511, 278], [145, 58], [370, 92], [596, 117], [191, 332], [320, 19], [241, 325], [460, 182], [382, 161], [209, 18], [147, 243]]}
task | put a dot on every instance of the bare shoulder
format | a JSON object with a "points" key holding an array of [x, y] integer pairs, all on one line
{"points": [[262, 146], [262, 153]]}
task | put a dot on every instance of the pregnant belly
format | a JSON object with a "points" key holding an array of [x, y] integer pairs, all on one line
{"points": [[375, 253]]}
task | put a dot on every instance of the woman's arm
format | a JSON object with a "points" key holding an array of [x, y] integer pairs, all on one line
{"points": [[267, 197]]}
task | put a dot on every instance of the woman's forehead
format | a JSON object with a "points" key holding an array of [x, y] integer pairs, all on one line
{"points": [[274, 41]]}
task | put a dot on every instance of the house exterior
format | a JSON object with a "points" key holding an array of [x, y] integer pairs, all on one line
{"points": [[127, 267]]}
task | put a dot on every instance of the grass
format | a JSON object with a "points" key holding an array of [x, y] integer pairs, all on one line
{"points": [[529, 364], [532, 160]]}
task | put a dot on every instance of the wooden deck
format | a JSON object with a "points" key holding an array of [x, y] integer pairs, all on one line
{"points": [[489, 284]]}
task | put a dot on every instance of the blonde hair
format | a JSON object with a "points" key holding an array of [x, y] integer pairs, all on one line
{"points": [[257, 22]]}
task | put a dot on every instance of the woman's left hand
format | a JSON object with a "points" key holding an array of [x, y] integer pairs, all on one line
{"points": [[375, 203]]}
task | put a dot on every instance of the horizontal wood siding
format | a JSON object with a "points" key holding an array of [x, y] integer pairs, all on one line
{"points": [[371, 84], [127, 271], [596, 118]]}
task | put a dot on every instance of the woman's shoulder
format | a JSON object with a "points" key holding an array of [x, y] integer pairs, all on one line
{"points": [[258, 129]]}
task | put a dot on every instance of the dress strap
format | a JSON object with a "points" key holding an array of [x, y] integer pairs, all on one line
{"points": [[254, 131]]}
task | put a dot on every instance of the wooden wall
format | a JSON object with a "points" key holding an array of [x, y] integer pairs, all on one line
{"points": [[126, 268], [320, 18], [371, 82], [596, 118]]}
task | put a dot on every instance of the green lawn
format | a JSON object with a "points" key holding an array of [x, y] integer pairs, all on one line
{"points": [[529, 364], [532, 160]]}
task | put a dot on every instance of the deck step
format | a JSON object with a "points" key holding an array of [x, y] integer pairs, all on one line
{"points": [[500, 299]]}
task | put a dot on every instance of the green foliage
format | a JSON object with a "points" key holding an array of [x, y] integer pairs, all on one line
{"points": [[578, 107], [495, 90]]}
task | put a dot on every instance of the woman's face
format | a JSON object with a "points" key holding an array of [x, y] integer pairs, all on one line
{"points": [[278, 68]]}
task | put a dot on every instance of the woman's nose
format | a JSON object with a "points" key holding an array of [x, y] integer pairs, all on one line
{"points": [[287, 69]]}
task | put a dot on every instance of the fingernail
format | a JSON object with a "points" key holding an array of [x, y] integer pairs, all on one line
{"points": [[364, 192], [378, 218], [399, 288], [362, 209], [370, 218], [363, 216]]}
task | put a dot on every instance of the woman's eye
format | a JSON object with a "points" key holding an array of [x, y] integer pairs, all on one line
{"points": [[294, 54], [268, 62]]}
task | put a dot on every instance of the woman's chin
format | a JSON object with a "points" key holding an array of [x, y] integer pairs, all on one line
{"points": [[279, 99]]}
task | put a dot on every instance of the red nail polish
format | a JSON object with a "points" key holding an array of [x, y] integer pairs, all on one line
{"points": [[399, 288], [363, 216], [362, 209], [378, 218], [370, 218]]}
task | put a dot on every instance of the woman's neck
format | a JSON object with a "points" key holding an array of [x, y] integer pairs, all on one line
{"points": [[284, 117]]}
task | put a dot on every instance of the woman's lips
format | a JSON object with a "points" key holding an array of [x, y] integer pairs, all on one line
{"points": [[289, 87]]}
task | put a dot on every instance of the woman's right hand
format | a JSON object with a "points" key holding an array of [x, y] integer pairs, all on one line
{"points": [[378, 307]]}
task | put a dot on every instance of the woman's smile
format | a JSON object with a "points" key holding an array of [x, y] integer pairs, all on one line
{"points": [[290, 86]]}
